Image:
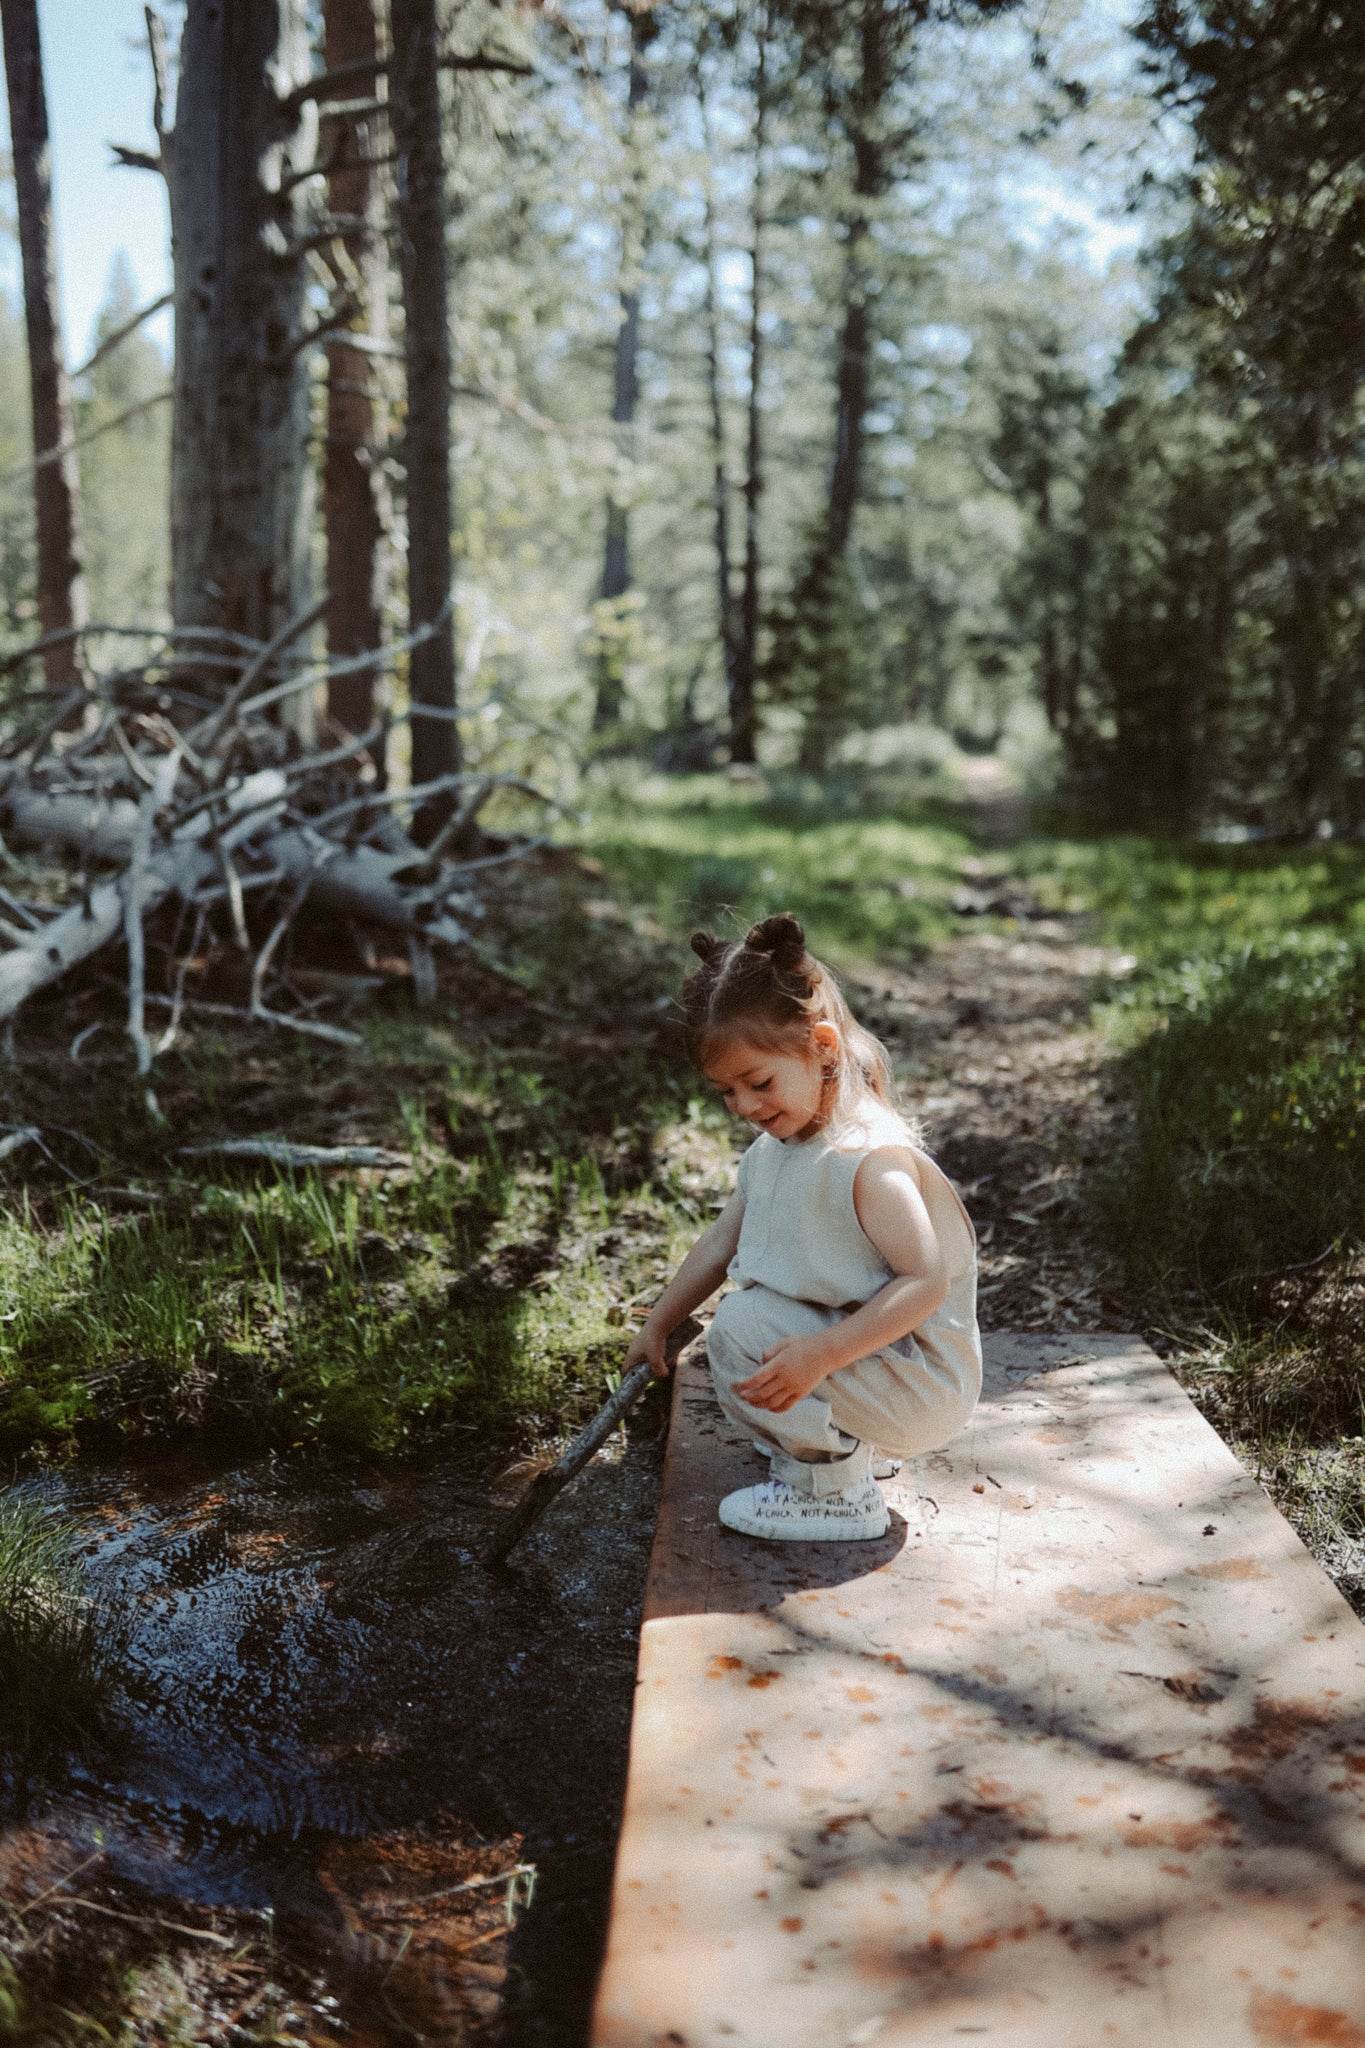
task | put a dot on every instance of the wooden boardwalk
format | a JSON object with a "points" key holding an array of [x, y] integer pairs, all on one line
{"points": [[1073, 1757]]}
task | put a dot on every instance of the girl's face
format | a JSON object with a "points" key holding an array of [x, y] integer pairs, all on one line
{"points": [[777, 1092]]}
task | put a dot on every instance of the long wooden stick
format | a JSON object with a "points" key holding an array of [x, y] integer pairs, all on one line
{"points": [[546, 1485]]}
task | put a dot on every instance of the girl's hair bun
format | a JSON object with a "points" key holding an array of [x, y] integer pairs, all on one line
{"points": [[782, 938], [706, 946]]}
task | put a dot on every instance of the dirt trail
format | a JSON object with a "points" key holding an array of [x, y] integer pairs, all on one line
{"points": [[997, 1053]]}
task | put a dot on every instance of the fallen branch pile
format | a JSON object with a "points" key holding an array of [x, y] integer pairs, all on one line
{"points": [[175, 780]]}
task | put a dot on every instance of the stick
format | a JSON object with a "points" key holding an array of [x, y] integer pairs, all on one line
{"points": [[546, 1485], [282, 1152], [155, 800], [205, 737]]}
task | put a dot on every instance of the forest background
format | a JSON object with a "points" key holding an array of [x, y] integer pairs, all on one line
{"points": [[895, 459]]}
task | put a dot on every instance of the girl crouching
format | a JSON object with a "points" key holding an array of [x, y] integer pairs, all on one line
{"points": [[851, 1335]]}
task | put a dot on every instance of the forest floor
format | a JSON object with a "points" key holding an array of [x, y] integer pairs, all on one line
{"points": [[336, 1726]]}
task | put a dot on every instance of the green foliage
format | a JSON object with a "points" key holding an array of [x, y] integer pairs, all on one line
{"points": [[60, 1650], [125, 474], [1248, 1089], [1217, 659], [825, 660]]}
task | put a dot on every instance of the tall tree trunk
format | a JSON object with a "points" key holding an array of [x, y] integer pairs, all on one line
{"points": [[240, 476], [720, 479], [853, 375], [352, 481], [61, 584], [743, 702], [415, 118], [625, 369]]}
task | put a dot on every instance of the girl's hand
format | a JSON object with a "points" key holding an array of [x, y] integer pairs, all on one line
{"points": [[648, 1342], [790, 1370]]}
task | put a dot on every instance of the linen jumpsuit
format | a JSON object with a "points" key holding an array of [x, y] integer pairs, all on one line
{"points": [[803, 1262]]}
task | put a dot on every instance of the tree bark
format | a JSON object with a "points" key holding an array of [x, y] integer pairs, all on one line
{"points": [[743, 702], [720, 479], [353, 507], [239, 451], [62, 601], [415, 118], [877, 52], [625, 368]]}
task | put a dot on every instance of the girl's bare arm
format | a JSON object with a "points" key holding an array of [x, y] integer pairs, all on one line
{"points": [[696, 1279]]}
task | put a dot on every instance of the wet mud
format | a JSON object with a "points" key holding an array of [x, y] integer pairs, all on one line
{"points": [[333, 1712]]}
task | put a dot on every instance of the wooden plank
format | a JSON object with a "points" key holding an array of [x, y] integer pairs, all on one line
{"points": [[1074, 1757]]}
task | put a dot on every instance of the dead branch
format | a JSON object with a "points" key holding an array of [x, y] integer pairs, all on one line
{"points": [[17, 470], [281, 1152], [258, 821], [342, 76], [206, 737], [137, 159], [121, 334]]}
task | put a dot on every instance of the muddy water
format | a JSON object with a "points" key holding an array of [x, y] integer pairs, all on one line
{"points": [[318, 1660]]}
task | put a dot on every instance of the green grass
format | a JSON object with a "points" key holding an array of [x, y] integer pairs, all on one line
{"points": [[1246, 1073], [560, 1156], [60, 1650], [866, 875], [310, 1308], [1172, 901]]}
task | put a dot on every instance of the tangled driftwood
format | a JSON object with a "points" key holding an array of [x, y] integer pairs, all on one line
{"points": [[176, 779]]}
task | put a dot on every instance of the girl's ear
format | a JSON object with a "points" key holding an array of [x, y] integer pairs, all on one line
{"points": [[824, 1039]]}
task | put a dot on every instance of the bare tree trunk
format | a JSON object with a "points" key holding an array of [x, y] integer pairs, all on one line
{"points": [[625, 367], [878, 32], [239, 453], [415, 117], [353, 509], [61, 584], [743, 702], [720, 485]]}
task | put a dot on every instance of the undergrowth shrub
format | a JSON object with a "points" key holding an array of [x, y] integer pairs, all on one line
{"points": [[60, 1649], [1247, 1159]]}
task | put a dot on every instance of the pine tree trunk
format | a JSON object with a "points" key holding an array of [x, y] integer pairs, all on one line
{"points": [[720, 482], [743, 702], [239, 453], [62, 600], [625, 372], [353, 507], [853, 375], [415, 118]]}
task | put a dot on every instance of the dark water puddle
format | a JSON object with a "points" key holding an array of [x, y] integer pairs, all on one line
{"points": [[319, 1665]]}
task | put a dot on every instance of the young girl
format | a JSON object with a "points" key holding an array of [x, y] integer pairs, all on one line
{"points": [[853, 1324]]}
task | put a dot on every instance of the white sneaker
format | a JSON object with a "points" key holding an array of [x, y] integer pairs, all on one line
{"points": [[779, 1514], [881, 1466]]}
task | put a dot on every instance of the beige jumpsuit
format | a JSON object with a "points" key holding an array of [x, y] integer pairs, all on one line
{"points": [[803, 1262]]}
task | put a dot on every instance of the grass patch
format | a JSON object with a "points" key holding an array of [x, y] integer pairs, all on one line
{"points": [[362, 1312], [560, 1155], [1247, 1160], [1169, 902], [866, 874], [60, 1650]]}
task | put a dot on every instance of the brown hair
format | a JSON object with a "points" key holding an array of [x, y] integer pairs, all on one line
{"points": [[769, 991]]}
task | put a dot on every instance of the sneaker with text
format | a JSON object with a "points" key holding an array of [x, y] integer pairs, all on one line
{"points": [[779, 1514]]}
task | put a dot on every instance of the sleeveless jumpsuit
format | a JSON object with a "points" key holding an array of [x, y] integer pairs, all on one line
{"points": [[803, 1262]]}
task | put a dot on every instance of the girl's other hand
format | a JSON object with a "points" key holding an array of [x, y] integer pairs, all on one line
{"points": [[790, 1370], [648, 1342]]}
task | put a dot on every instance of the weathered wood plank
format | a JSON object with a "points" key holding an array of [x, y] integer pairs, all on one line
{"points": [[1074, 1757]]}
